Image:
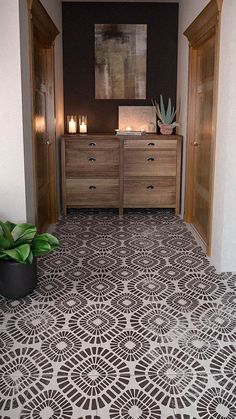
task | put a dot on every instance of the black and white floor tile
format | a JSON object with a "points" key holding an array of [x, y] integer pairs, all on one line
{"points": [[128, 321]]}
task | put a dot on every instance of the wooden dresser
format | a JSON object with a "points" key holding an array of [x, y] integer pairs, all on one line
{"points": [[109, 171]]}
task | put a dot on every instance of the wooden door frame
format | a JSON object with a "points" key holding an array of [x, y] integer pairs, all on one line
{"points": [[41, 23], [202, 28]]}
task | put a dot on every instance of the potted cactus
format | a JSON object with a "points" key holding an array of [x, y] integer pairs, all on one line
{"points": [[166, 117], [19, 246]]}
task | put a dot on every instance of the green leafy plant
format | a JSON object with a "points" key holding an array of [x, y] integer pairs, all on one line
{"points": [[167, 116], [20, 242]]}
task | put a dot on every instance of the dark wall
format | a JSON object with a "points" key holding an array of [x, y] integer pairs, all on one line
{"points": [[79, 61]]}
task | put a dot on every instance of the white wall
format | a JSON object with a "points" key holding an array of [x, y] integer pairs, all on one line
{"points": [[224, 214], [12, 172], [224, 206]]}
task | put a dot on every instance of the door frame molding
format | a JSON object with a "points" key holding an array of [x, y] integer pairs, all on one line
{"points": [[202, 28], [40, 23]]}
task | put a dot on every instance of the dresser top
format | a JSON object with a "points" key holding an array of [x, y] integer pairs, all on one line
{"points": [[126, 137]]}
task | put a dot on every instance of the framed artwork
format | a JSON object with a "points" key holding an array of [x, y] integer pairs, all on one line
{"points": [[120, 61], [137, 118]]}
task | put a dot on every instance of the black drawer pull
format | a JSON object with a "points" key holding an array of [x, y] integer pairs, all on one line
{"points": [[150, 159], [92, 187], [150, 187], [92, 159], [151, 144], [92, 144]]}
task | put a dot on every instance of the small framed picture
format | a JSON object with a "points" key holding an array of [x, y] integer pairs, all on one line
{"points": [[137, 118]]}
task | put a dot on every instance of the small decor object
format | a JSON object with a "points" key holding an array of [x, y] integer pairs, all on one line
{"points": [[166, 117], [137, 118], [129, 132], [83, 124], [19, 247], [71, 124], [120, 61]]}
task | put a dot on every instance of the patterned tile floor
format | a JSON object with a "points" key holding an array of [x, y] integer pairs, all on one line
{"points": [[128, 321]]}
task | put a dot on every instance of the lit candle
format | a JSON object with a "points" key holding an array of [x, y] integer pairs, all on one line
{"points": [[83, 128], [72, 126], [128, 129]]}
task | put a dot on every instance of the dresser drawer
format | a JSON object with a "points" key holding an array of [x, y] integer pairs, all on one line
{"points": [[150, 143], [92, 192], [92, 163], [92, 143], [148, 193], [142, 162]]}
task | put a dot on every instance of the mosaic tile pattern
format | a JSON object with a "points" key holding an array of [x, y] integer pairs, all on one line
{"points": [[128, 321]]}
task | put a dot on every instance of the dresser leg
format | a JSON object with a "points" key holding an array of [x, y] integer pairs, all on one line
{"points": [[120, 212]]}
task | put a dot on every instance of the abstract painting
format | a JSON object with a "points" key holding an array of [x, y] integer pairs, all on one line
{"points": [[120, 61]]}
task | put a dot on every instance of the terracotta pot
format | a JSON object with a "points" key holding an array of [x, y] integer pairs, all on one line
{"points": [[166, 129], [17, 279]]}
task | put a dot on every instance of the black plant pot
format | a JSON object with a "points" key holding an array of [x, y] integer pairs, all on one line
{"points": [[17, 279]]}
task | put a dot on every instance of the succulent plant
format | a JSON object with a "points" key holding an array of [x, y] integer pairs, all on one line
{"points": [[166, 117]]}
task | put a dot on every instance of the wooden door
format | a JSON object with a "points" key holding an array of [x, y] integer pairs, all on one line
{"points": [[42, 143], [203, 38], [203, 138], [43, 32]]}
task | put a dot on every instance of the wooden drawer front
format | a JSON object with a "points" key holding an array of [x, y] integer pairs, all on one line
{"points": [[149, 163], [150, 144], [150, 192], [92, 192], [92, 143], [92, 163]]}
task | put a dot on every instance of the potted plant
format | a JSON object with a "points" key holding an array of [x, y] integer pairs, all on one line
{"points": [[19, 246], [166, 117]]}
